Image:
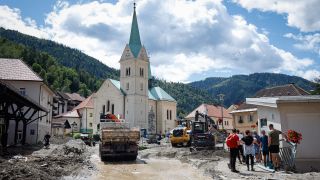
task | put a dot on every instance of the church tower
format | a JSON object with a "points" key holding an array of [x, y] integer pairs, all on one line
{"points": [[134, 75]]}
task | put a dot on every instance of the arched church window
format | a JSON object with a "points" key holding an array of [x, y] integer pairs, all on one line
{"points": [[127, 86], [108, 106], [141, 86], [112, 109]]}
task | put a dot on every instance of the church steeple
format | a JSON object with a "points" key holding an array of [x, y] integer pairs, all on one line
{"points": [[134, 41]]}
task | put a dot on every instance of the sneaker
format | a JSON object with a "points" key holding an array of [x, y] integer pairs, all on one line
{"points": [[235, 171], [252, 169]]}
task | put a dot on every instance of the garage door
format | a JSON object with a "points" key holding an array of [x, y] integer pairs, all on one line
{"points": [[308, 124]]}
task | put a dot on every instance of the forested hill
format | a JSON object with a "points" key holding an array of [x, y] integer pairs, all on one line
{"points": [[69, 70], [64, 55], [236, 88]]}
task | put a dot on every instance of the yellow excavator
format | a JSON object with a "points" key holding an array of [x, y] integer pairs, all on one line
{"points": [[180, 136]]}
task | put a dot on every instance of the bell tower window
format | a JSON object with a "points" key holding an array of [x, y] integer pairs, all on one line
{"points": [[127, 71], [141, 72]]}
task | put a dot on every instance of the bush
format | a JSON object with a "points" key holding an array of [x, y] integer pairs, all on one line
{"points": [[76, 135]]}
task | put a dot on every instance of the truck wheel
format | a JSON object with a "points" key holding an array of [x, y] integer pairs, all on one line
{"points": [[174, 145], [185, 144]]}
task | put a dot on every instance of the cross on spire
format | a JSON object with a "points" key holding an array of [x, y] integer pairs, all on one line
{"points": [[134, 41]]}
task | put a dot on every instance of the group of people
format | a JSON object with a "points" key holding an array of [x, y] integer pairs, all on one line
{"points": [[251, 146]]}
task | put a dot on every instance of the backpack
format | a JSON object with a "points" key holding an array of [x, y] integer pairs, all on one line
{"points": [[230, 141]]}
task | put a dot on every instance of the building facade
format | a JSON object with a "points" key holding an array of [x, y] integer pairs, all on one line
{"points": [[245, 117], [132, 98], [18, 75], [299, 113]]}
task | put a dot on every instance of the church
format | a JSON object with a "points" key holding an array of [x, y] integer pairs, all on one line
{"points": [[133, 98]]}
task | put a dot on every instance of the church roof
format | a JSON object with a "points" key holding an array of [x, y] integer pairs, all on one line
{"points": [[155, 93], [159, 94], [134, 41], [117, 85]]}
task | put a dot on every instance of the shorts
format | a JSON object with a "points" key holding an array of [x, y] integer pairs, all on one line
{"points": [[274, 149], [265, 152]]}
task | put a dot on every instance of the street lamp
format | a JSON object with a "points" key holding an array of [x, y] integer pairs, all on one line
{"points": [[221, 96], [73, 125]]}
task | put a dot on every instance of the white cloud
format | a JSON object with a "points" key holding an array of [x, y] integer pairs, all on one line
{"points": [[302, 14], [183, 38], [312, 74], [310, 42], [11, 19]]}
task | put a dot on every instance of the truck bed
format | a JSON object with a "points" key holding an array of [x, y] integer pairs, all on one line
{"points": [[117, 135]]}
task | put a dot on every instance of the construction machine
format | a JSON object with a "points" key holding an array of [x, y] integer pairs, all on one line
{"points": [[181, 134], [118, 139], [203, 132]]}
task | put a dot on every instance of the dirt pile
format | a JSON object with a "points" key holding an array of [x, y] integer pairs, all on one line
{"points": [[52, 163]]}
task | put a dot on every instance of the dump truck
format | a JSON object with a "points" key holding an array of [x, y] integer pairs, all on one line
{"points": [[118, 139]]}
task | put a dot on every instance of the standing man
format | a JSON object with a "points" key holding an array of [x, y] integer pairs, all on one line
{"points": [[273, 144], [233, 143], [264, 147]]}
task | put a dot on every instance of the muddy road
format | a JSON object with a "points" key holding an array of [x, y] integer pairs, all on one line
{"points": [[142, 169]]}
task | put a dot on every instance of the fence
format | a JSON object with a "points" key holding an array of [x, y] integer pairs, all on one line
{"points": [[288, 155]]}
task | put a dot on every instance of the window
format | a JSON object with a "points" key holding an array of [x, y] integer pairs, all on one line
{"points": [[22, 91], [141, 72], [112, 109], [108, 106], [128, 72], [170, 115], [103, 109], [263, 122], [127, 87], [32, 131], [240, 120], [98, 126], [167, 114], [90, 115], [250, 117], [90, 124], [141, 86]]}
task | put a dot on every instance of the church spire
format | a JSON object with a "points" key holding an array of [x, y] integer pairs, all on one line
{"points": [[134, 41]]}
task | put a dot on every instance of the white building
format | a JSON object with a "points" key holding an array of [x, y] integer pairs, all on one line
{"points": [[20, 76], [132, 98], [299, 113]]}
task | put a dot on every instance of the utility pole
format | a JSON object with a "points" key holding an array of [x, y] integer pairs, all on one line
{"points": [[221, 96]]}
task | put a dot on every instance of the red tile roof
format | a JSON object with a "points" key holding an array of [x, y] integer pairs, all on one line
{"points": [[16, 69], [75, 97], [285, 90], [87, 103], [212, 111]]}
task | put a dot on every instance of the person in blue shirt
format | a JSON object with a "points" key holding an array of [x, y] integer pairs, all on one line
{"points": [[264, 147]]}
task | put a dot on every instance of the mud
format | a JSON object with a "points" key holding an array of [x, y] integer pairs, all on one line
{"points": [[213, 164], [48, 164]]}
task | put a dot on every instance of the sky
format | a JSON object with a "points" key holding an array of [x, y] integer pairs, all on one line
{"points": [[187, 40]]}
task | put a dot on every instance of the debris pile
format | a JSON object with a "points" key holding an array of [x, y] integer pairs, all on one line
{"points": [[53, 163]]}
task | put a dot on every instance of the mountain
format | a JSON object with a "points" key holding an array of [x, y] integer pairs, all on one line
{"points": [[64, 55], [70, 70], [236, 88]]}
